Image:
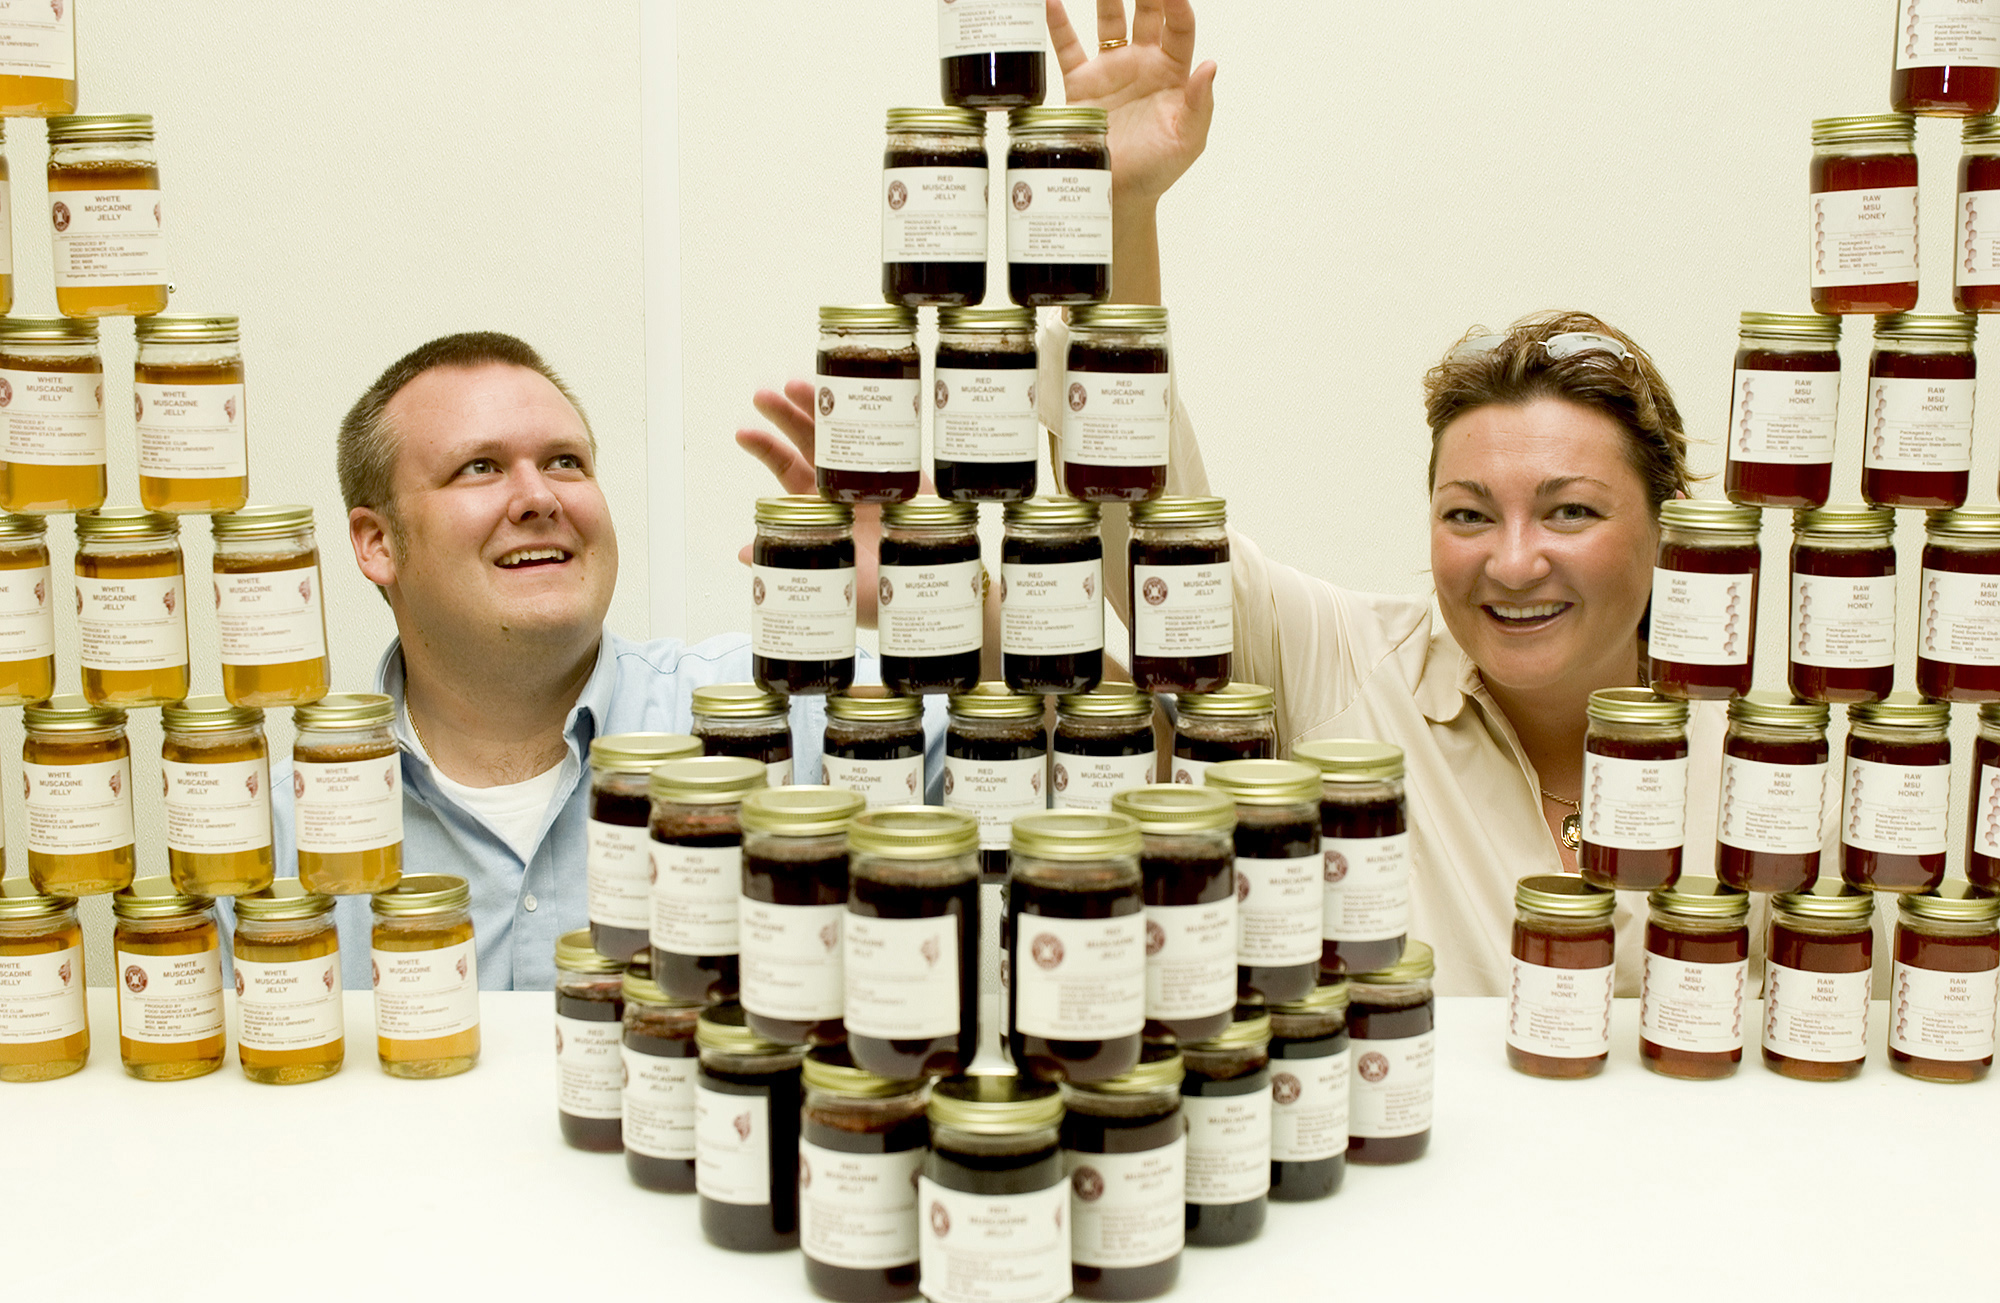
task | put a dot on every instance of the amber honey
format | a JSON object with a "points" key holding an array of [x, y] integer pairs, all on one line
{"points": [[78, 769], [27, 612], [169, 982], [189, 404], [347, 788], [217, 774], [270, 616], [38, 76], [426, 972], [53, 454], [288, 997], [104, 214], [6, 237], [44, 1027]]}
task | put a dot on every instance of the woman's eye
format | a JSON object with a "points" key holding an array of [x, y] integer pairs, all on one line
{"points": [[1462, 516], [1575, 511]]}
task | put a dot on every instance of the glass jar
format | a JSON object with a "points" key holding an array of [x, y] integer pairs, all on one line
{"points": [[1896, 794], [1982, 821], [1103, 744], [1076, 928], [1235, 722], [1118, 404], [802, 638], [217, 777], [1776, 771], [1051, 596], [995, 756], [44, 1024], [54, 455], [1187, 857], [618, 867], [590, 1034], [1818, 981], [1183, 632], [861, 1151], [291, 1025], [1226, 1096], [1124, 1149], [1864, 214], [657, 1106], [1391, 1020], [869, 436], [38, 76], [1958, 604], [792, 909], [741, 719], [911, 940], [104, 212], [1918, 452], [1364, 823], [985, 433], [1702, 640], [27, 612], [131, 607], [746, 1134], [269, 615], [1782, 410], [990, 53], [1633, 817], [77, 769], [1843, 613], [187, 394], [1280, 887], [1310, 1059], [426, 970], [1559, 1001], [1945, 985], [1945, 64], [169, 959], [934, 210], [874, 745], [1976, 269], [696, 872], [1058, 207], [931, 596], [992, 1196], [347, 794], [1691, 995]]}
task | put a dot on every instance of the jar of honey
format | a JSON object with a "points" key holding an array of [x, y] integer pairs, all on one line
{"points": [[1058, 207], [1310, 1062], [985, 433], [1776, 771], [104, 213], [931, 596], [270, 617], [131, 610], [1633, 819], [1226, 1097], [1783, 403], [1103, 743], [1051, 596], [53, 456], [1818, 981], [1946, 984], [1118, 404], [44, 1025], [990, 53], [169, 957], [38, 75], [874, 745], [1392, 1024], [1958, 606], [291, 1024], [1918, 447], [217, 772], [1863, 255], [1703, 636], [1982, 821], [1182, 604], [1697, 963], [347, 791], [1124, 1148], [426, 969], [697, 872], [742, 719], [27, 612], [77, 764], [802, 596], [793, 910], [1559, 999], [187, 392], [996, 758], [1279, 875], [934, 209], [1187, 854], [658, 1101], [590, 1035], [992, 1199], [747, 1102], [862, 1142], [1895, 794], [868, 432], [1235, 722], [1976, 268], [1843, 614], [1945, 63], [618, 861], [1365, 841]]}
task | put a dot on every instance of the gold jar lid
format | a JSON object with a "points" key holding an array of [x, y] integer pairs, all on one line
{"points": [[1564, 895], [346, 710], [285, 900], [1265, 782], [1418, 964], [801, 811], [1980, 130], [1974, 524], [1699, 897], [994, 320], [1901, 710], [22, 528], [706, 780], [867, 703], [1076, 834], [1770, 709], [1829, 898], [208, 713], [1247, 1029], [1707, 516], [723, 1028], [1989, 714], [737, 701], [70, 712], [1180, 511], [1326, 998], [1057, 119], [638, 987], [1953, 902], [125, 523], [831, 1068], [1635, 706], [1845, 520], [1889, 128], [913, 832], [21, 902], [423, 893], [929, 513], [995, 1106], [1230, 701], [1106, 701], [1809, 327], [155, 897], [48, 330], [185, 328], [804, 511], [868, 316], [1160, 1068], [274, 521], [1050, 512], [995, 700], [88, 128], [576, 953], [1351, 760], [1165, 809], [938, 120], [1945, 327], [1118, 316], [639, 753]]}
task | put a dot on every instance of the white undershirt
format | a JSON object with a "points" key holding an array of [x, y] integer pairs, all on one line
{"points": [[513, 810]]}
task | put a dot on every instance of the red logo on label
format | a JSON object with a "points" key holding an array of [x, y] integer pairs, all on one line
{"points": [[1047, 952], [930, 950], [1242, 886], [805, 1173], [1024, 194], [1077, 397], [1154, 591], [298, 786], [251, 784], [885, 592], [1285, 1089], [558, 1041], [239, 984], [1086, 1184], [1336, 866], [1061, 777], [756, 591], [1156, 938], [899, 195], [829, 936], [940, 395], [135, 978], [61, 215], [940, 1220], [825, 401], [138, 408], [949, 781], [742, 1124], [1372, 1067]]}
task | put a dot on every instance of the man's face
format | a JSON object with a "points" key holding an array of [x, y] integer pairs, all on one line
{"points": [[499, 528]]}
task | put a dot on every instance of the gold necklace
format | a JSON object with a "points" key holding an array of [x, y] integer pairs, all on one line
{"points": [[1572, 824]]}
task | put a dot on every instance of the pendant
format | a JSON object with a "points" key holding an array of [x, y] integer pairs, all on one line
{"points": [[1573, 830]]}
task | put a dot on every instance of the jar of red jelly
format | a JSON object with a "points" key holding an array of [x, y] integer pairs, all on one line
{"points": [[1818, 981], [660, 1059], [862, 1142], [1226, 1097], [1863, 256], [747, 1106], [1188, 858], [1895, 794], [802, 596], [1843, 625], [590, 1035], [1776, 781], [1982, 822], [792, 911], [1118, 403], [742, 719], [618, 860], [1310, 1062], [1051, 596], [1279, 875], [1782, 410], [1076, 925], [990, 53], [931, 596], [1958, 606], [1124, 1148], [1238, 721], [868, 431], [985, 434], [1691, 994], [1559, 1001], [1183, 634], [1918, 449], [934, 207], [1947, 61], [1702, 642], [1364, 825], [1946, 984], [1633, 816], [1392, 1027], [1058, 207], [1103, 744], [996, 760], [697, 873], [1976, 268], [992, 1202], [874, 745]]}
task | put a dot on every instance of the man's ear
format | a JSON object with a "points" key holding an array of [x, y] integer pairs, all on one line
{"points": [[374, 547]]}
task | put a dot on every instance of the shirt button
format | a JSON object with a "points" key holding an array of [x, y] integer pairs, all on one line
{"points": [[528, 903]]}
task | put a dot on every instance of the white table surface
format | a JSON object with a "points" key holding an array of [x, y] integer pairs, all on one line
{"points": [[1628, 1186]]}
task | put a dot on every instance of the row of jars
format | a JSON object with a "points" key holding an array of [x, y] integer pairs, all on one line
{"points": [[105, 226], [285, 955], [1944, 981]]}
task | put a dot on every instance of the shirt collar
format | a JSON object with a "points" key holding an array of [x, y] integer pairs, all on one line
{"points": [[592, 706], [1449, 678]]}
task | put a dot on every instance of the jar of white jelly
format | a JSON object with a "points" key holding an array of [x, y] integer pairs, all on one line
{"points": [[187, 395]]}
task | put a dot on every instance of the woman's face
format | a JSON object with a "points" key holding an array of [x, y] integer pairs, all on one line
{"points": [[1542, 545]]}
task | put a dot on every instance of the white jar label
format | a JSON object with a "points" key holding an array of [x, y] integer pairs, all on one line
{"points": [[1840, 623], [1919, 425], [38, 40], [1367, 887], [1776, 809], [1228, 1147], [191, 431], [732, 1146], [590, 1068], [1864, 237], [931, 610], [1816, 1017], [1116, 418], [1986, 813], [269, 617], [352, 805], [1128, 1210], [882, 782], [934, 214], [220, 809], [790, 959], [694, 896], [1052, 610], [1946, 1016], [1392, 1085], [1191, 959], [1059, 215], [295, 1005], [802, 615], [107, 237], [902, 977], [1309, 1107], [131, 624], [1978, 244], [1696, 1008], [858, 1211], [421, 995], [53, 418], [169, 999], [1279, 908], [1784, 418], [1634, 805], [1188, 772], [1896, 809], [1958, 33], [989, 27], [1702, 619], [996, 792], [79, 809], [1182, 610], [618, 875], [778, 773], [1080, 979], [1087, 782], [658, 1105], [27, 615], [1011, 1248], [41, 997], [1958, 619], [985, 416], [1559, 1013], [869, 424]]}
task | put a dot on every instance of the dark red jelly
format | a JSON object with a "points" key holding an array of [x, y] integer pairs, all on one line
{"points": [[1693, 681], [1011, 79], [769, 1227], [1864, 172], [1794, 946], [982, 481], [1887, 487], [1033, 671], [803, 677], [1386, 816], [863, 362], [1057, 284], [1778, 484], [1162, 673], [661, 1032], [906, 554], [1879, 870], [1826, 630], [1227, 1075], [1721, 947], [1045, 1058], [1095, 483], [1748, 869], [1194, 870], [993, 741], [1372, 1018], [1982, 822], [933, 1056], [599, 1135], [1622, 868], [703, 978], [862, 1131], [1274, 833], [1939, 676], [1301, 1045], [619, 943], [1979, 173], [934, 283], [807, 877]]}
